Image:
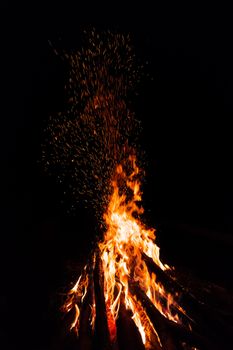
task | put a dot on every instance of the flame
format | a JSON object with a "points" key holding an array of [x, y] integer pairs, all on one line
{"points": [[75, 299], [97, 133], [121, 252], [124, 242]]}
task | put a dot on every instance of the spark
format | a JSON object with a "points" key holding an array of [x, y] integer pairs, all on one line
{"points": [[86, 142]]}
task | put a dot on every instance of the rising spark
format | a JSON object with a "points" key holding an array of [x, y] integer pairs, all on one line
{"points": [[97, 131]]}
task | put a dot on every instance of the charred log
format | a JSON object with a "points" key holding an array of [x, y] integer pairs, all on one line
{"points": [[206, 319], [101, 336], [168, 282], [156, 318], [170, 333], [127, 333], [85, 331]]}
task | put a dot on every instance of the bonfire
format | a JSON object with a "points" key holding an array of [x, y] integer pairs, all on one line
{"points": [[124, 294]]}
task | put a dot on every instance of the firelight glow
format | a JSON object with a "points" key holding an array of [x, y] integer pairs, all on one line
{"points": [[125, 240]]}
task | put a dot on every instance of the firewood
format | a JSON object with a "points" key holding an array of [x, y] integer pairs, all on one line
{"points": [[101, 337], [85, 331], [168, 282], [202, 317], [170, 333], [156, 318], [127, 332]]}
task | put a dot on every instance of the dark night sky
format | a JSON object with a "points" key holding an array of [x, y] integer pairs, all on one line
{"points": [[186, 114]]}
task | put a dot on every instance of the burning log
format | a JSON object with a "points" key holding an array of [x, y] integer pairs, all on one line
{"points": [[102, 338], [156, 318], [205, 318], [85, 331], [85, 336], [174, 287], [170, 333], [169, 283], [127, 332]]}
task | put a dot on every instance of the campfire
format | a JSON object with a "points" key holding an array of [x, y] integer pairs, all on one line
{"points": [[121, 279], [125, 297]]}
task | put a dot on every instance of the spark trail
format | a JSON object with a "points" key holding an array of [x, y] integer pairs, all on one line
{"points": [[98, 130]]}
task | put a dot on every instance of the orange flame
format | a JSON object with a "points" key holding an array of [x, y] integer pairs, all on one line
{"points": [[75, 298], [121, 253], [124, 242]]}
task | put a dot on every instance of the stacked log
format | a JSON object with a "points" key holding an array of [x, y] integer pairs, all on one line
{"points": [[168, 335]]}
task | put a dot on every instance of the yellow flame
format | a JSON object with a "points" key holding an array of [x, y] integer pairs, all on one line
{"points": [[121, 251], [75, 298]]}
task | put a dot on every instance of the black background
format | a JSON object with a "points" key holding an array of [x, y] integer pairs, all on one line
{"points": [[186, 113]]}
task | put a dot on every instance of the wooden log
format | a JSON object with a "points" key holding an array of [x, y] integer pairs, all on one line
{"points": [[170, 333], [85, 335], [127, 332], [101, 336], [156, 318], [85, 332], [203, 318], [168, 282]]}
